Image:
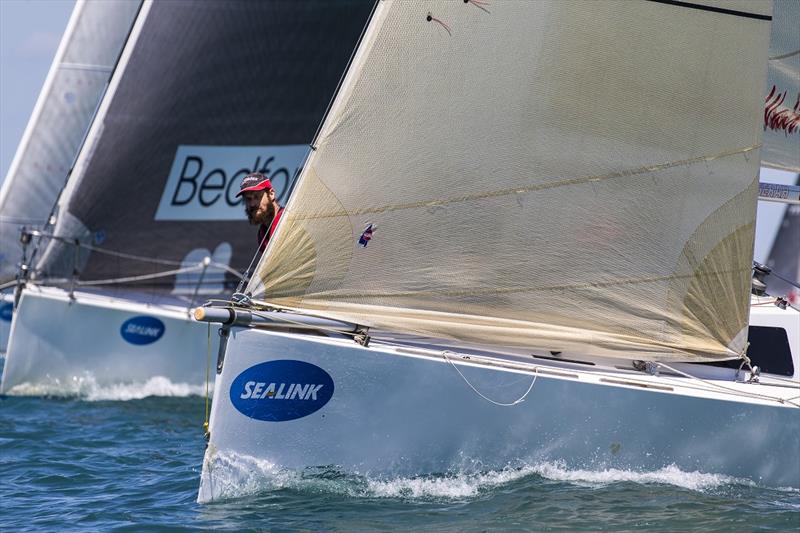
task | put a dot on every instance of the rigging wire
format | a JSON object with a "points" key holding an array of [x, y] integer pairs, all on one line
{"points": [[123, 255]]}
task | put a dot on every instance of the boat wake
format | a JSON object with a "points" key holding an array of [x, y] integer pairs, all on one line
{"points": [[87, 388], [233, 476]]}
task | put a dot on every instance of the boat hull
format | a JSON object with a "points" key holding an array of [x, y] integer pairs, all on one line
{"points": [[63, 346], [6, 314], [401, 413]]}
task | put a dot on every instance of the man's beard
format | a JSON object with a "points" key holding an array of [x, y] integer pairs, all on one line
{"points": [[253, 214]]}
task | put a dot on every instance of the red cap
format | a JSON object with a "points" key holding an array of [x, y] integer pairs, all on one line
{"points": [[255, 181]]}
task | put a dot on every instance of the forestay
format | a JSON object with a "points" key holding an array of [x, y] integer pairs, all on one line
{"points": [[77, 80], [562, 175]]}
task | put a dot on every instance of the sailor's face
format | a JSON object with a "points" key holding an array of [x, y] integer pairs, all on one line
{"points": [[258, 206]]}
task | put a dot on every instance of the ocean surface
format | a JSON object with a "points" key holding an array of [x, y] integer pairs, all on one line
{"points": [[129, 458]]}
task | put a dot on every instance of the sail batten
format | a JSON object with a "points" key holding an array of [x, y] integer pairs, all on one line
{"points": [[542, 175]]}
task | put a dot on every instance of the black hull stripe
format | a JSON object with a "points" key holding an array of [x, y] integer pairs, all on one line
{"points": [[714, 9]]}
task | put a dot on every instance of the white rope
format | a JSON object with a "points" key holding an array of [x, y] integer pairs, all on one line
{"points": [[728, 389], [139, 278], [134, 257], [276, 316], [129, 279], [515, 402]]}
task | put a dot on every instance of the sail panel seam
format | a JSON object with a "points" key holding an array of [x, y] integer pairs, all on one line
{"points": [[476, 292], [524, 189]]}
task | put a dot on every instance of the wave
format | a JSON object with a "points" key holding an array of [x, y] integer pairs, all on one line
{"points": [[87, 388], [668, 475], [229, 475]]}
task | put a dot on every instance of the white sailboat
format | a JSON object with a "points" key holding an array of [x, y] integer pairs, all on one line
{"points": [[525, 234], [75, 83], [203, 93]]}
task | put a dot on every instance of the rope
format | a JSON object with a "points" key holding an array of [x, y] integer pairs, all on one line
{"points": [[784, 56], [728, 389], [208, 373], [134, 257], [139, 278], [515, 402], [129, 279]]}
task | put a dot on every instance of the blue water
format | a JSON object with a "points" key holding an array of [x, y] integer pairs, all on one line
{"points": [[97, 464]]}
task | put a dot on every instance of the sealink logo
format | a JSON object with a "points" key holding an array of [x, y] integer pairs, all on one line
{"points": [[277, 391], [142, 330], [6, 311], [204, 180]]}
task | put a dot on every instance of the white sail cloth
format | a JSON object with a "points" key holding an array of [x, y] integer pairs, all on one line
{"points": [[782, 103], [77, 79], [561, 175]]}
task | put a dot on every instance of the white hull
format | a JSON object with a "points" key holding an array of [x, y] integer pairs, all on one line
{"points": [[6, 307], [400, 412], [60, 346]]}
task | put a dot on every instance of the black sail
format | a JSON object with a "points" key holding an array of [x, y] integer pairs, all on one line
{"points": [[206, 92]]}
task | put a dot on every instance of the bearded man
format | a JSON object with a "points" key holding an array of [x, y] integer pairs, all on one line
{"points": [[261, 206]]}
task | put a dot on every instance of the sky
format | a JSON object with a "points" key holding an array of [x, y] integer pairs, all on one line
{"points": [[30, 31]]}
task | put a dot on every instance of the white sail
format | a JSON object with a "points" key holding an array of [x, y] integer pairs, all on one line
{"points": [[77, 79], [562, 175], [782, 102]]}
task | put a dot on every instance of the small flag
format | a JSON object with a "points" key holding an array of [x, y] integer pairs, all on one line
{"points": [[366, 235]]}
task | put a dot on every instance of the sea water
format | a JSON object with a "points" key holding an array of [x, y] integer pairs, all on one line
{"points": [[129, 458]]}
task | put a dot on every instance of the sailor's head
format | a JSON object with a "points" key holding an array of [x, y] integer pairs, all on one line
{"points": [[259, 198]]}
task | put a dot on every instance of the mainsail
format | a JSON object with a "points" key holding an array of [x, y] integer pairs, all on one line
{"points": [[205, 92], [75, 83], [561, 175]]}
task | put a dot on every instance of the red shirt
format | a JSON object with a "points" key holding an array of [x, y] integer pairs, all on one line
{"points": [[262, 230]]}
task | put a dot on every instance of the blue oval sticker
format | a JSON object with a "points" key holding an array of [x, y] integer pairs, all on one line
{"points": [[142, 330], [6, 311], [282, 390]]}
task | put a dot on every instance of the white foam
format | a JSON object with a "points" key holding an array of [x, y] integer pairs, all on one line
{"points": [[669, 475], [229, 475], [455, 486], [86, 387]]}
